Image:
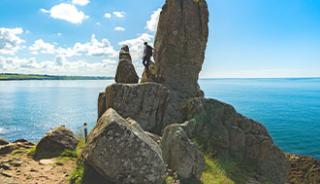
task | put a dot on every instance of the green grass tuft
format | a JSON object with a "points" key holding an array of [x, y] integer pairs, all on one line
{"points": [[77, 173], [76, 176], [223, 172], [31, 152]]}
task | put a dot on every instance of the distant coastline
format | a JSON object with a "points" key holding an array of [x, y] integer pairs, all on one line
{"points": [[15, 76]]}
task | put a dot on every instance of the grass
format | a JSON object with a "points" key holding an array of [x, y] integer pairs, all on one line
{"points": [[76, 176], [218, 172], [223, 172], [31, 152]]}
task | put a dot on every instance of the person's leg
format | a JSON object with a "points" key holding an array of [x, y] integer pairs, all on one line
{"points": [[144, 62]]}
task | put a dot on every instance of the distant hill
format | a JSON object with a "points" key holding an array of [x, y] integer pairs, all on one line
{"points": [[14, 76]]}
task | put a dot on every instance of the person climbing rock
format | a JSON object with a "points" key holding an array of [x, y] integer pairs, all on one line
{"points": [[147, 54]]}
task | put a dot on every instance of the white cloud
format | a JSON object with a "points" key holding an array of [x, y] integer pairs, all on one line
{"points": [[80, 2], [119, 14], [94, 57], [152, 23], [108, 15], [59, 34], [59, 66], [40, 46], [44, 10], [118, 28], [66, 12], [10, 42], [95, 48]]}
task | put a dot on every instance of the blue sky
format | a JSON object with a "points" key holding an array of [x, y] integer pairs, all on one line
{"points": [[248, 38]]}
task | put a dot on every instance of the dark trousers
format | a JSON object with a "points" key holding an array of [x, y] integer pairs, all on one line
{"points": [[146, 61]]}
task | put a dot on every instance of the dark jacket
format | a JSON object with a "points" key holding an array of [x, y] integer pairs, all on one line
{"points": [[148, 51]]}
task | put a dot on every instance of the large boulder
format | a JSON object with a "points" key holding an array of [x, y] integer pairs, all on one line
{"points": [[180, 44], [223, 132], [180, 154], [152, 105], [126, 72], [121, 152], [55, 142]]}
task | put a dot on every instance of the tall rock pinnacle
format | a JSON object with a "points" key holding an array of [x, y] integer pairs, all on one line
{"points": [[180, 44], [126, 72]]}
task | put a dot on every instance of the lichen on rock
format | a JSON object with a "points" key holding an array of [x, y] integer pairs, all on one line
{"points": [[122, 152]]}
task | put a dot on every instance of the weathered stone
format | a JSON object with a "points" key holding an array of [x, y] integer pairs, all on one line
{"points": [[6, 149], [126, 72], [150, 74], [180, 44], [180, 154], [102, 104], [154, 137], [303, 170], [220, 130], [55, 142], [3, 142], [152, 105], [120, 151]]}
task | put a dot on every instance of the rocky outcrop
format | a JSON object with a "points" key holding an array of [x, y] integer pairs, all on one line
{"points": [[120, 151], [152, 105], [125, 71], [8, 147], [3, 142], [180, 154], [180, 45], [150, 74], [55, 142], [304, 170], [221, 131], [176, 99]]}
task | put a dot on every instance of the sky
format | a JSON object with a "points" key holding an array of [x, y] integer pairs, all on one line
{"points": [[247, 39]]}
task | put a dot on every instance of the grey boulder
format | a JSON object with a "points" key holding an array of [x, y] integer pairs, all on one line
{"points": [[180, 154], [223, 132], [152, 105], [120, 151], [55, 142]]}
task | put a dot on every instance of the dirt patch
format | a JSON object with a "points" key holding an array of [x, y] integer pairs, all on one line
{"points": [[20, 168]]}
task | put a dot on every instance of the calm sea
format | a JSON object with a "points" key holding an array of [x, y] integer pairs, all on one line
{"points": [[289, 108]]}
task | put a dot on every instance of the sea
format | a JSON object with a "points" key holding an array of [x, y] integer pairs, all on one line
{"points": [[289, 108]]}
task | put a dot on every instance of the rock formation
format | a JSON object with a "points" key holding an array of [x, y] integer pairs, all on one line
{"points": [[303, 170], [180, 45], [120, 151], [221, 131], [152, 105], [181, 154], [125, 71], [176, 99], [55, 142], [7, 147]]}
